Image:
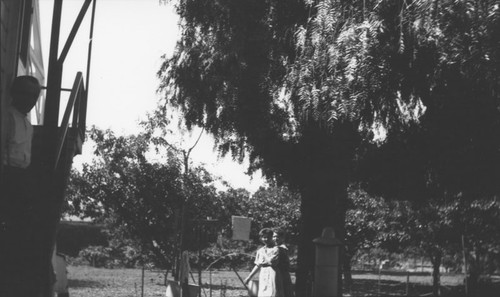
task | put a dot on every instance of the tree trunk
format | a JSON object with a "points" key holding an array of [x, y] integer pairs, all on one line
{"points": [[436, 258], [325, 177], [474, 272], [319, 210], [347, 271]]}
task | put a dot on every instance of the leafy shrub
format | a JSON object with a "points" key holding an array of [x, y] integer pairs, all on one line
{"points": [[96, 256], [100, 256], [130, 256]]}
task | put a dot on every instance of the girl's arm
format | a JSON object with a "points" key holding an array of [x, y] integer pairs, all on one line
{"points": [[252, 273], [258, 264]]}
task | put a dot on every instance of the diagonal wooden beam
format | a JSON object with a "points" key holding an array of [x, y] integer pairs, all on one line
{"points": [[51, 113], [74, 30]]}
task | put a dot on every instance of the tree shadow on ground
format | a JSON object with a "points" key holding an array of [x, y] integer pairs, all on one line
{"points": [[78, 283], [369, 288], [214, 287], [365, 287], [392, 272], [218, 287]]}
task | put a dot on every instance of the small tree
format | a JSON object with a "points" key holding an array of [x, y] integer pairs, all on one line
{"points": [[275, 207], [478, 221], [366, 217], [143, 196]]}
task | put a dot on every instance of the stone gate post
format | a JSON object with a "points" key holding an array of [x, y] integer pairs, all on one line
{"points": [[327, 265]]}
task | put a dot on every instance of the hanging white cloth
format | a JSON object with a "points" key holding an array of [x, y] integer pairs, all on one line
{"points": [[241, 228]]}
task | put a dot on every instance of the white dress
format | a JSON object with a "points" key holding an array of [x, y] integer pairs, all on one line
{"points": [[270, 279]]}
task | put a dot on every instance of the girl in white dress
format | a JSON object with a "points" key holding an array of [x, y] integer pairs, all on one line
{"points": [[266, 260]]}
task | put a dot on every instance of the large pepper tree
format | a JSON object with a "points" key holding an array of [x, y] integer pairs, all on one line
{"points": [[299, 85]]}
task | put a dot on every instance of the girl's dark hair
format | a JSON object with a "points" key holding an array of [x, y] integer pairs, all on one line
{"points": [[267, 232], [280, 232], [19, 83]]}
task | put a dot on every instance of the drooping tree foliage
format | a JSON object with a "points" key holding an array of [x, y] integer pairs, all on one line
{"points": [[300, 84], [452, 150], [453, 69]]}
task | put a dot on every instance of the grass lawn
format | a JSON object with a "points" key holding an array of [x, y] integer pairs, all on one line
{"points": [[87, 281], [99, 282]]}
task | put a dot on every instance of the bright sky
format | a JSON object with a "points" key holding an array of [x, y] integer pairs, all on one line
{"points": [[130, 36]]}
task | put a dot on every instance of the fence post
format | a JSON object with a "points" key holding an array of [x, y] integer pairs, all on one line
{"points": [[142, 282], [379, 272], [210, 276], [407, 283], [464, 252]]}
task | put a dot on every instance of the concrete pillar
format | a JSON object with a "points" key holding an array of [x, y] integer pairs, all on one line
{"points": [[327, 265]]}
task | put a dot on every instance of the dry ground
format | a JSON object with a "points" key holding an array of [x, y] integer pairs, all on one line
{"points": [[87, 281]]}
